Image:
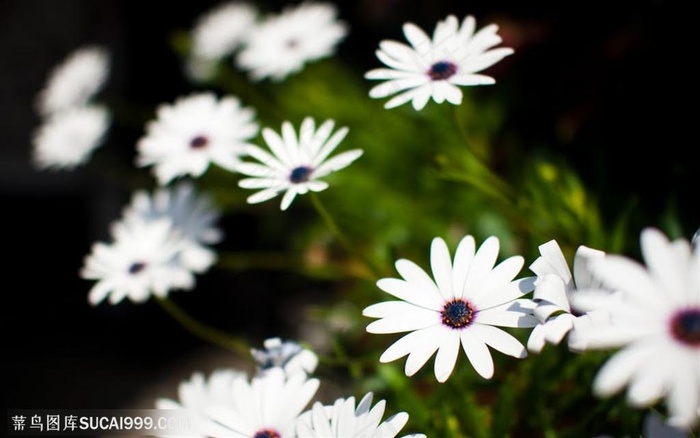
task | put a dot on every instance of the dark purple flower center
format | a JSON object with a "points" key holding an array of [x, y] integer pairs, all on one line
{"points": [[685, 327], [136, 267], [457, 313], [300, 174], [442, 70], [267, 433], [199, 142]]}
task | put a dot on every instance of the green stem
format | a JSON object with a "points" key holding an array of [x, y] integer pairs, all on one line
{"points": [[333, 226], [201, 330]]}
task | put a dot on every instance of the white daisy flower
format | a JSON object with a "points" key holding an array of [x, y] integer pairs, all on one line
{"points": [[297, 163], [74, 81], [435, 68], [142, 260], [462, 305], [657, 325], [282, 44], [343, 420], [195, 131], [288, 355], [200, 393], [268, 406], [217, 34], [66, 139], [192, 215], [553, 289]]}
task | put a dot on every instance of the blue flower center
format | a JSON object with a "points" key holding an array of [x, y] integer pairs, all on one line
{"points": [[136, 267], [199, 142], [442, 70], [300, 174], [267, 433], [685, 327], [457, 313]]}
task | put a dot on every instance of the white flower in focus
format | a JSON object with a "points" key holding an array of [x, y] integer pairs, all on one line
{"points": [[142, 260], [199, 393], [217, 34], [436, 67], [657, 325], [267, 406], [282, 44], [193, 218], [67, 138], [343, 420], [462, 306], [553, 289], [289, 356], [192, 133], [296, 163], [74, 81]]}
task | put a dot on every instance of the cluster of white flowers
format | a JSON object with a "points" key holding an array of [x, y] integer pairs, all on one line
{"points": [[274, 401], [158, 245], [272, 46], [72, 125], [652, 313]]}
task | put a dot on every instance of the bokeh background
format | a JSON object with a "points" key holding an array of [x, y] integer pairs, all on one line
{"points": [[593, 81]]}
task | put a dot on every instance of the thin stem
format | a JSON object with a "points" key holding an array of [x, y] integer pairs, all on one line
{"points": [[333, 226], [201, 330]]}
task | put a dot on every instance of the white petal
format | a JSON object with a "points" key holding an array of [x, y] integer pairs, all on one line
{"points": [[288, 198], [471, 79], [535, 343], [441, 264], [406, 291], [421, 93], [477, 353], [399, 316], [430, 340], [447, 356], [338, 162], [481, 266], [394, 86], [619, 369], [462, 261], [552, 288], [417, 37], [498, 316], [499, 339], [416, 276]]}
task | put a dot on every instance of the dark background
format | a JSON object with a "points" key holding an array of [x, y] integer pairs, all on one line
{"points": [[596, 82]]}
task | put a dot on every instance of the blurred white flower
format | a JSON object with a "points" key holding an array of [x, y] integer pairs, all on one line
{"points": [[288, 355], [217, 34], [462, 306], [343, 420], [297, 163], [553, 289], [199, 393], [435, 67], [267, 406], [75, 80], [656, 322], [66, 139], [141, 260], [283, 43], [195, 131], [192, 216]]}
